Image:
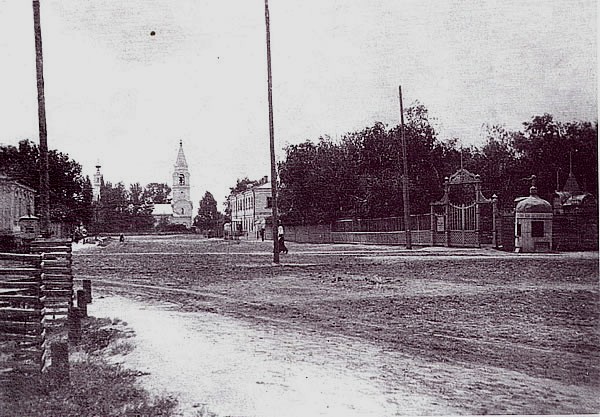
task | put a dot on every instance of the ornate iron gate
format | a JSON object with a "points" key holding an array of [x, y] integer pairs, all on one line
{"points": [[460, 209]]}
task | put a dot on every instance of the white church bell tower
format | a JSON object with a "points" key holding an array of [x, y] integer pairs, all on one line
{"points": [[181, 201]]}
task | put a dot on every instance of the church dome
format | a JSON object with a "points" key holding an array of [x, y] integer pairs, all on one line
{"points": [[533, 203]]}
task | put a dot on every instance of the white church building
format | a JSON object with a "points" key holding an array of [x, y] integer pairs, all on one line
{"points": [[181, 210]]}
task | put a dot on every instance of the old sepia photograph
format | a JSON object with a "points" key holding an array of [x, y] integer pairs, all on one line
{"points": [[298, 208]]}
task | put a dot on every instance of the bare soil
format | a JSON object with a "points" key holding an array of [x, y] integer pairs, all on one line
{"points": [[428, 331]]}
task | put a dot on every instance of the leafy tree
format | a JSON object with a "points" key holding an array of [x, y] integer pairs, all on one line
{"points": [[360, 175], [112, 208], [544, 149], [242, 185], [157, 193], [208, 217], [120, 209], [70, 191]]}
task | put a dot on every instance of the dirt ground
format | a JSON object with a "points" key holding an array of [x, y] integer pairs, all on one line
{"points": [[375, 330]]}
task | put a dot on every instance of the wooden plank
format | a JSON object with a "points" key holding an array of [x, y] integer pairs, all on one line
{"points": [[10, 290], [57, 256], [56, 262], [57, 270], [20, 271], [51, 310], [43, 250], [9, 313], [56, 277], [19, 284], [21, 257], [57, 302], [20, 310], [58, 293], [60, 285], [62, 241], [36, 243], [50, 295], [20, 298], [20, 337], [25, 327], [57, 318], [21, 278]]}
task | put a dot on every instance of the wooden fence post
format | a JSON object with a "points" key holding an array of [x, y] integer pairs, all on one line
{"points": [[56, 365], [74, 320], [82, 303], [87, 287]]}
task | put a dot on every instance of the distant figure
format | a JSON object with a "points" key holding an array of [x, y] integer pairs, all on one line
{"points": [[280, 234], [262, 234], [121, 238]]}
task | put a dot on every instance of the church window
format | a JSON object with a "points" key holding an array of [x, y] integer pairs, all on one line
{"points": [[182, 210], [181, 179]]}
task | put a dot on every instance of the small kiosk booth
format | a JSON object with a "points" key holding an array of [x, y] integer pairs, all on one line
{"points": [[30, 227], [533, 223]]}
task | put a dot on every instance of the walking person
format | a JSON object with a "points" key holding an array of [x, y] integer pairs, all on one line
{"points": [[281, 241], [262, 234]]}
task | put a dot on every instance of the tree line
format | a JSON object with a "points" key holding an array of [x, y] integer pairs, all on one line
{"points": [[119, 209], [360, 175], [122, 209], [70, 190]]}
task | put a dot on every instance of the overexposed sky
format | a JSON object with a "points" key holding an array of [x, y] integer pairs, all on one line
{"points": [[117, 95]]}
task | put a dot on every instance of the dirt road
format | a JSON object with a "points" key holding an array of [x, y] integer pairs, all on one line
{"points": [[234, 367], [355, 330]]}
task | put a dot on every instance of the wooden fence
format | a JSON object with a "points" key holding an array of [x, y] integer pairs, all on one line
{"points": [[21, 312], [36, 299]]}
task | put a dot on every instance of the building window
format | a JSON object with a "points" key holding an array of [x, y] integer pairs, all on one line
{"points": [[269, 202], [518, 229], [537, 229]]}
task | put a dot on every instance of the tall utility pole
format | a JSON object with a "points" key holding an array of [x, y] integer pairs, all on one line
{"points": [[44, 177], [272, 140], [404, 175]]}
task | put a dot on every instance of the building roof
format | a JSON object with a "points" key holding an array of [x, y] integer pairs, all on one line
{"points": [[162, 210], [4, 178], [265, 185], [533, 203], [181, 162], [578, 200], [572, 186]]}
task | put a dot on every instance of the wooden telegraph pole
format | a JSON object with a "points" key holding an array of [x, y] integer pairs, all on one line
{"points": [[404, 176], [44, 176], [272, 139]]}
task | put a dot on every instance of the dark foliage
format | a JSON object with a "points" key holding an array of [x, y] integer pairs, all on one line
{"points": [[361, 174], [70, 191]]}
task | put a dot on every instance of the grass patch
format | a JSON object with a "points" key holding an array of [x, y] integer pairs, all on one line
{"points": [[97, 388]]}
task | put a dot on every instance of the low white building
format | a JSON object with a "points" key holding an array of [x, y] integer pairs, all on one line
{"points": [[16, 201], [251, 208]]}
